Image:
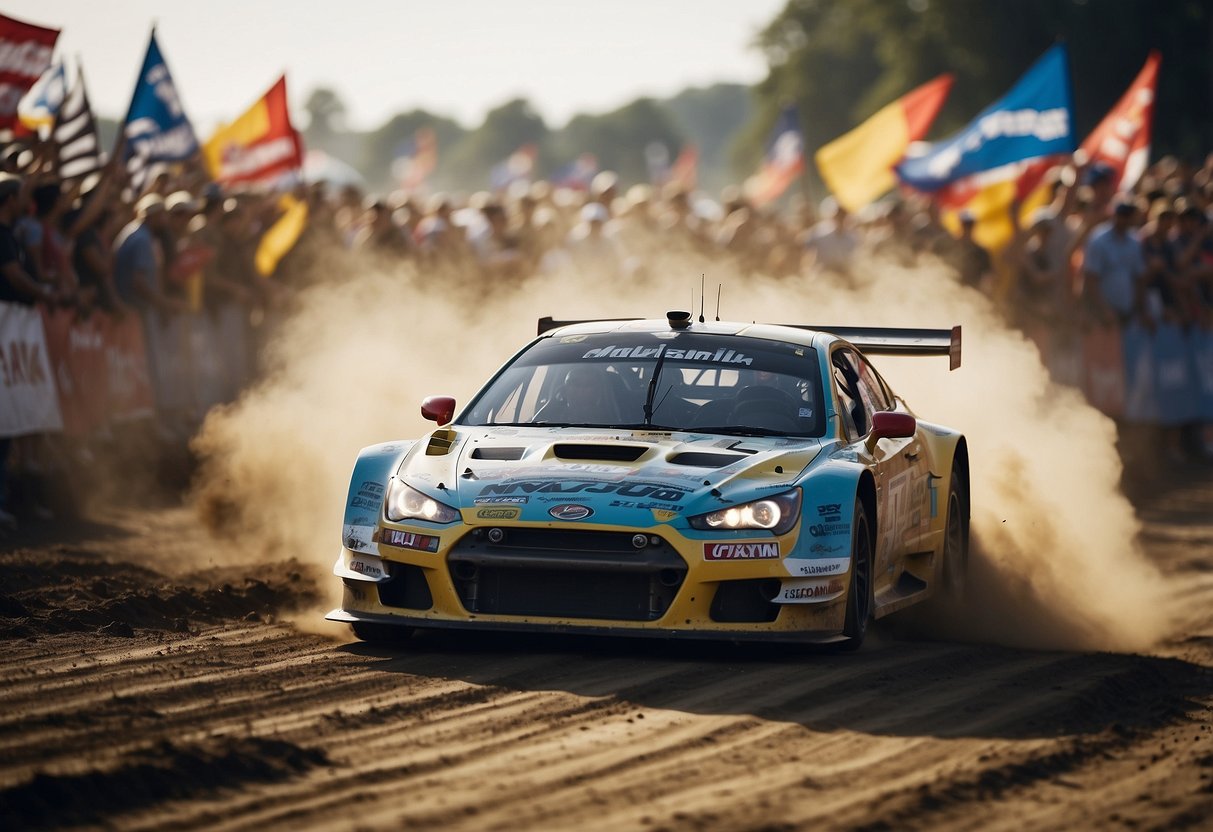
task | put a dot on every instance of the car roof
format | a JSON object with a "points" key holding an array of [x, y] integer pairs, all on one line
{"points": [[769, 332]]}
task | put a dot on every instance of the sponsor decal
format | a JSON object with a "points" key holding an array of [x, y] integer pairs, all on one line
{"points": [[369, 496], [511, 500], [806, 413], [829, 529], [720, 356], [810, 567], [662, 515], [572, 339], [810, 592], [358, 538], [570, 511], [506, 513], [830, 512], [665, 492], [364, 568], [409, 540], [822, 549], [758, 550]]}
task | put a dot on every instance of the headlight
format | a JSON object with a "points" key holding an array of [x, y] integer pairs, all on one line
{"points": [[778, 513], [407, 503]]}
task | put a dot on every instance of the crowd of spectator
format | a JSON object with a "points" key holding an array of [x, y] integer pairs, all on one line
{"points": [[181, 257]]}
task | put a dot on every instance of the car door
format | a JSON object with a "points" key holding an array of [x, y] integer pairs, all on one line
{"points": [[892, 461]]}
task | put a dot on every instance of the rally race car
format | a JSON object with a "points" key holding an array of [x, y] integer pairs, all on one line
{"points": [[665, 478]]}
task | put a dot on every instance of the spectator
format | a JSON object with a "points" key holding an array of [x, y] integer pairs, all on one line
{"points": [[1113, 266]]}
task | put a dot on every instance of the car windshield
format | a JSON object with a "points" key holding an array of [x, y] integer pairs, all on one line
{"points": [[667, 380]]}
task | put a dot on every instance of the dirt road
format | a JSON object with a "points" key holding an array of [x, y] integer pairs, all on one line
{"points": [[136, 694]]}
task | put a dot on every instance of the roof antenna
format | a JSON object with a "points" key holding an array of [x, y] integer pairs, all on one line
{"points": [[702, 278], [718, 287]]}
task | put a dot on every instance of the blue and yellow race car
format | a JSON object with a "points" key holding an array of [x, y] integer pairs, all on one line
{"points": [[665, 478]]}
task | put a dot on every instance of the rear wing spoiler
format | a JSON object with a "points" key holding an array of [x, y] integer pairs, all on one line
{"points": [[548, 323], [871, 339], [898, 341]]}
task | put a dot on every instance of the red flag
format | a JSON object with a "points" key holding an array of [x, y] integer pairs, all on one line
{"points": [[260, 145], [685, 170], [1122, 139], [25, 53]]}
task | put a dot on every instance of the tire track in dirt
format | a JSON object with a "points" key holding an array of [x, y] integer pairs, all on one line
{"points": [[484, 732]]}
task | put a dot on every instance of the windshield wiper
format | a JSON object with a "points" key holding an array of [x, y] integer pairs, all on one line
{"points": [[740, 430], [652, 391]]}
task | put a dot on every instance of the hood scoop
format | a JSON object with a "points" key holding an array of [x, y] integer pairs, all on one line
{"points": [[498, 454], [587, 451], [703, 459]]}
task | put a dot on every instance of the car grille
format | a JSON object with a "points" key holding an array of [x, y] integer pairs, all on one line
{"points": [[566, 573]]}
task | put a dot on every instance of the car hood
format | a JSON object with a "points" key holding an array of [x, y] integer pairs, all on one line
{"points": [[623, 476]]}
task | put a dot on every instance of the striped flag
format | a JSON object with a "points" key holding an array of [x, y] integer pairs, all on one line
{"points": [[784, 160], [76, 134]]}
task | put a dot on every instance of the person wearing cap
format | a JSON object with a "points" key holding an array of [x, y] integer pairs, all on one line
{"points": [[1113, 267]]}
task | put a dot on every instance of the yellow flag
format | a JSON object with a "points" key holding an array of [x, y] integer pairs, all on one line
{"points": [[282, 235]]}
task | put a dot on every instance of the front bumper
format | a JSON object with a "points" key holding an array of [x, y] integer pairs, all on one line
{"points": [[574, 578]]}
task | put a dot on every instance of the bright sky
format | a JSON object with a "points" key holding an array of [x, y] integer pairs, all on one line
{"points": [[453, 57]]}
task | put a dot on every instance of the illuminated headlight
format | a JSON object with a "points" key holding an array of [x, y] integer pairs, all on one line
{"points": [[407, 503], [778, 513]]}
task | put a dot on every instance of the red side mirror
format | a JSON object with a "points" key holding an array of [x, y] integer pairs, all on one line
{"points": [[889, 425], [440, 409]]}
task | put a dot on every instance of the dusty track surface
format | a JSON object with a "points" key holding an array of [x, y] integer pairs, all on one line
{"points": [[137, 692]]}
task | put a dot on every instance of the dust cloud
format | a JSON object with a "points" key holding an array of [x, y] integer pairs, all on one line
{"points": [[1055, 563]]}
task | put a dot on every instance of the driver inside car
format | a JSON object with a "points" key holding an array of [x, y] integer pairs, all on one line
{"points": [[585, 397]]}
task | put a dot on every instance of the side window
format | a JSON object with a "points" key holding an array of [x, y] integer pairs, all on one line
{"points": [[872, 388], [849, 404]]}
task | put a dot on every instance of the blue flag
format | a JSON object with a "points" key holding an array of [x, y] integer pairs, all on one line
{"points": [[157, 129], [1036, 118]]}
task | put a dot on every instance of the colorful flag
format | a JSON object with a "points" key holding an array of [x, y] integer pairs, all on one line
{"points": [[416, 159], [685, 171], [517, 168], [25, 53], [1035, 118], [281, 237], [76, 134], [858, 166], [1121, 141], [38, 108], [783, 163], [156, 127], [259, 146], [577, 174]]}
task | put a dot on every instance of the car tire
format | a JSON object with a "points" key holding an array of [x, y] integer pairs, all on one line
{"points": [[376, 633], [859, 595], [956, 539]]}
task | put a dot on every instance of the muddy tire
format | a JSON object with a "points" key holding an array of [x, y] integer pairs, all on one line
{"points": [[859, 595], [956, 540]]}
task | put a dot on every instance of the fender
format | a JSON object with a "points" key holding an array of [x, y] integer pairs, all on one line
{"points": [[364, 503], [942, 444], [825, 520]]}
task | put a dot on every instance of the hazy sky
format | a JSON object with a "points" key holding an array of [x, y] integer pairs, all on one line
{"points": [[455, 57]]}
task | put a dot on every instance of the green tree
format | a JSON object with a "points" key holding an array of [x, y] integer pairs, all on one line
{"points": [[383, 145], [841, 60], [505, 129], [619, 138]]}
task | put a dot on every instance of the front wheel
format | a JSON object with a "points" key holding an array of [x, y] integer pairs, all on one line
{"points": [[859, 596]]}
